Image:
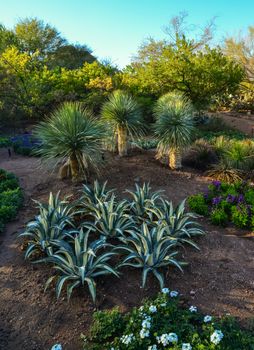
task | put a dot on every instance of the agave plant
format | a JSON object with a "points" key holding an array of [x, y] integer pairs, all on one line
{"points": [[173, 127], [50, 226], [142, 199], [149, 249], [80, 263], [123, 117], [179, 224], [73, 135], [92, 195], [111, 217]]}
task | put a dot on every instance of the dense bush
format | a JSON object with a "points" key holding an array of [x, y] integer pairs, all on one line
{"points": [[226, 203], [163, 323], [10, 197]]}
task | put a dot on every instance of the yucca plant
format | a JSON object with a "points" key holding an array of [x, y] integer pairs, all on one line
{"points": [[225, 173], [173, 127], [149, 249], [179, 224], [80, 263], [111, 218], [123, 117], [142, 198], [74, 136], [50, 226]]}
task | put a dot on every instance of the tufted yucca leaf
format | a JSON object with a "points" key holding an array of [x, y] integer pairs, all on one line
{"points": [[49, 226], [72, 134], [111, 217], [173, 127], [179, 224], [142, 199], [79, 263], [123, 118], [149, 249]]}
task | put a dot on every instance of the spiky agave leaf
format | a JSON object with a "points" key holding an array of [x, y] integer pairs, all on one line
{"points": [[111, 218], [92, 195], [174, 124], [143, 199], [71, 132], [179, 224], [79, 263], [50, 226], [149, 249], [225, 173]]}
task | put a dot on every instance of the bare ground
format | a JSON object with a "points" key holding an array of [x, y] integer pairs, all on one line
{"points": [[219, 278]]}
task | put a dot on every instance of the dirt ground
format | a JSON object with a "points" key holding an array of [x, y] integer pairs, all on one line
{"points": [[238, 121], [219, 278]]}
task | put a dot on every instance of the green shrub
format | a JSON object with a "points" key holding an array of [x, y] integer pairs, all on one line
{"points": [[163, 323], [198, 204], [10, 197], [219, 217], [107, 324], [249, 197], [4, 142], [240, 215]]}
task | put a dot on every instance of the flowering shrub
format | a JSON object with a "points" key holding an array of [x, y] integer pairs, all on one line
{"points": [[163, 323], [10, 197], [25, 144], [226, 203]]}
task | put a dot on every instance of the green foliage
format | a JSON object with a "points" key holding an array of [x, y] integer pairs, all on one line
{"points": [[219, 217], [74, 135], [227, 203], [122, 115], [11, 197], [80, 263], [241, 215], [49, 227], [198, 204], [4, 142], [144, 328], [106, 325], [180, 225], [149, 249], [111, 218], [142, 199], [174, 123]]}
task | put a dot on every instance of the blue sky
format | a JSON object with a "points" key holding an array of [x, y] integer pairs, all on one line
{"points": [[115, 28]]}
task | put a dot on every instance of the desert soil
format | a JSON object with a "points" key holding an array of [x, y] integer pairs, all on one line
{"points": [[219, 278]]}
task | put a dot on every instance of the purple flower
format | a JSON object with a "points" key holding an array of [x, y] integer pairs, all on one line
{"points": [[240, 198], [217, 184], [216, 200], [231, 198]]}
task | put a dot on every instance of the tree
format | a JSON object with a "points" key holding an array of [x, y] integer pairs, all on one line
{"points": [[123, 117], [34, 35], [173, 127], [72, 134]]}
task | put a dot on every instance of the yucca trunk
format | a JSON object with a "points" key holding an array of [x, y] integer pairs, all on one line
{"points": [[74, 165], [175, 159], [122, 141]]}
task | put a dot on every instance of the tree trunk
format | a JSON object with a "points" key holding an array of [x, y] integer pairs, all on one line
{"points": [[74, 167], [122, 141], [175, 159]]}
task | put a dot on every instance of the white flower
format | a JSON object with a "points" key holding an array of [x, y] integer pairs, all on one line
{"points": [[173, 293], [165, 339], [153, 308], [186, 346], [165, 290], [141, 308], [193, 308], [127, 339], [163, 304], [152, 347], [57, 347], [144, 333], [216, 337], [207, 318], [146, 323]]}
